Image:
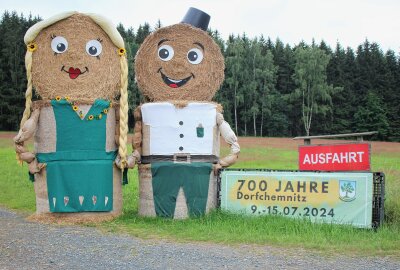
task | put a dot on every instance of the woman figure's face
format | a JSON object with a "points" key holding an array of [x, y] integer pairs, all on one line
{"points": [[76, 59]]}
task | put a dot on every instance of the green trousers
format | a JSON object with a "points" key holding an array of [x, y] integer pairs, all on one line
{"points": [[169, 177]]}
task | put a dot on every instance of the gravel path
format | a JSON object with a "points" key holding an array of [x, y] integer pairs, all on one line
{"points": [[28, 245]]}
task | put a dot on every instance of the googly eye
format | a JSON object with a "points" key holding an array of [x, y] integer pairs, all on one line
{"points": [[59, 44], [195, 56], [165, 52], [94, 47]]}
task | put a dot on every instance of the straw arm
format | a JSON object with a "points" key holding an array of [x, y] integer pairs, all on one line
{"points": [[25, 133], [230, 138], [28, 129]]}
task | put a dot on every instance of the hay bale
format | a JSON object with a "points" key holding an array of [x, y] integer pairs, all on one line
{"points": [[181, 210], [75, 218], [76, 57], [207, 76], [146, 201], [102, 80]]}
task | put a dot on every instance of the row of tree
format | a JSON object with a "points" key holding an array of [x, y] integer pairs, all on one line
{"points": [[270, 88]]}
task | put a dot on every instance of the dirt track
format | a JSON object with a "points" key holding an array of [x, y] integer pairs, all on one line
{"points": [[28, 245]]}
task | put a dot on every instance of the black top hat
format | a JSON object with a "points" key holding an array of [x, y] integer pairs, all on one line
{"points": [[197, 18]]}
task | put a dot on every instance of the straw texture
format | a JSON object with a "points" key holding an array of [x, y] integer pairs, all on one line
{"points": [[49, 70], [206, 77]]}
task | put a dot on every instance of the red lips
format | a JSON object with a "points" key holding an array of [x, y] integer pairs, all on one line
{"points": [[74, 72]]}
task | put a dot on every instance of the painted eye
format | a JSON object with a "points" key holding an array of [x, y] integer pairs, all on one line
{"points": [[59, 44], [165, 52], [93, 47], [195, 56]]}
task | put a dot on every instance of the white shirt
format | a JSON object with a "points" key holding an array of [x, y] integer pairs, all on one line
{"points": [[179, 130]]}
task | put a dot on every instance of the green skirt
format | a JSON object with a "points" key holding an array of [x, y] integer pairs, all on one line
{"points": [[79, 185]]}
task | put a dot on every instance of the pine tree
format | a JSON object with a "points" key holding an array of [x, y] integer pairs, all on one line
{"points": [[340, 74], [142, 32], [371, 116], [391, 95], [12, 68]]}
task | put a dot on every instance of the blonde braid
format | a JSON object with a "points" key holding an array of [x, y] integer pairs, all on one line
{"points": [[28, 94], [123, 121]]}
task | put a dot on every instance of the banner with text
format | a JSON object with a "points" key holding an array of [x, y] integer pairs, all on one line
{"points": [[343, 198], [335, 157]]}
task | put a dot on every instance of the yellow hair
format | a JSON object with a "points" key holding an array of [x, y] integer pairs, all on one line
{"points": [[123, 112], [28, 93]]}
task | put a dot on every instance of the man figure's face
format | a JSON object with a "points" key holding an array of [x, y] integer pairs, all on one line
{"points": [[179, 62]]}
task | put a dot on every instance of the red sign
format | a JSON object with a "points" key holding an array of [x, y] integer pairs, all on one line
{"points": [[335, 157]]}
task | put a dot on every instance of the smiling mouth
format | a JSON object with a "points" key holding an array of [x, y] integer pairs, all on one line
{"points": [[174, 83], [74, 72]]}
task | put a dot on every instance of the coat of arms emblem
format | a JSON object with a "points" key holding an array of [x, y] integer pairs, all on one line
{"points": [[347, 190]]}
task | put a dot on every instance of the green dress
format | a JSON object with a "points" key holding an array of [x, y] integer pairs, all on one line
{"points": [[80, 172]]}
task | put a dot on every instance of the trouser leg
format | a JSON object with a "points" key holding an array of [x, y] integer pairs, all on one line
{"points": [[195, 186], [165, 189]]}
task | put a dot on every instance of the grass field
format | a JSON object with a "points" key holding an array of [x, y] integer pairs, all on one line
{"points": [[16, 192]]}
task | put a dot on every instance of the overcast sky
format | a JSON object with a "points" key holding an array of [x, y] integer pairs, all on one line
{"points": [[348, 21]]}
